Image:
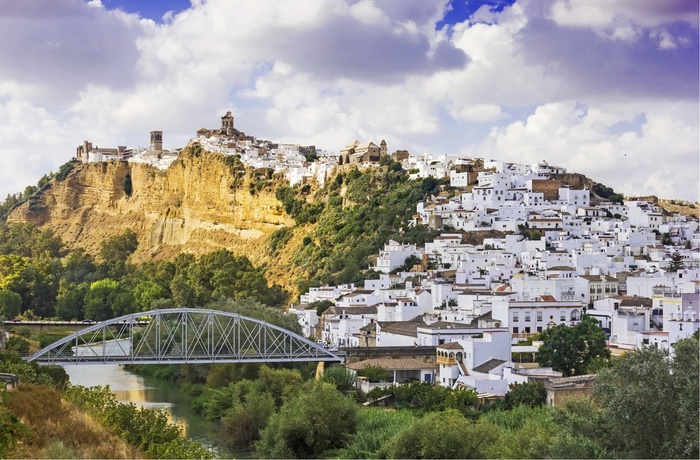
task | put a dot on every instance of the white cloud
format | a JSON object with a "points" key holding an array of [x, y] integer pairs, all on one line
{"points": [[585, 140], [579, 83], [479, 113]]}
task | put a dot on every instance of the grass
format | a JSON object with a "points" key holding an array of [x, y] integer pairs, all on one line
{"points": [[375, 427], [59, 430]]}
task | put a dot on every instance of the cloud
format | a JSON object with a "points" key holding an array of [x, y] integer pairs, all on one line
{"points": [[657, 155], [579, 83], [55, 48]]}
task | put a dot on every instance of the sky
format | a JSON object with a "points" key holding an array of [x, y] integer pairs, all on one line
{"points": [[607, 89]]}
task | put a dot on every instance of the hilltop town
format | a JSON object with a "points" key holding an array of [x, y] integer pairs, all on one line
{"points": [[569, 247]]}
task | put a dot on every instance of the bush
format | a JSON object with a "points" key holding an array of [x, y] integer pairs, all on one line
{"points": [[318, 419], [375, 374], [443, 435], [342, 377]]}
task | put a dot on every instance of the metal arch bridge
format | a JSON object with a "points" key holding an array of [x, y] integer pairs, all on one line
{"points": [[182, 335]]}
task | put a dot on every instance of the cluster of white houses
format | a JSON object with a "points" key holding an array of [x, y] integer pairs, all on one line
{"points": [[477, 303], [567, 254]]}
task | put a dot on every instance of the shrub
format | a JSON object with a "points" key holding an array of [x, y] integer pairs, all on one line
{"points": [[342, 377]]}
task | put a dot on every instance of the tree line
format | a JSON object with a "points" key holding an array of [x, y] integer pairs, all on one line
{"points": [[40, 277], [644, 405]]}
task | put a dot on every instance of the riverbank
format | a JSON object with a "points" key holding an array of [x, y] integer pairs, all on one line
{"points": [[152, 393]]}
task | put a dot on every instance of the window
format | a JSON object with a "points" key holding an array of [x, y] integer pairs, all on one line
{"points": [[527, 317], [515, 330], [539, 316], [515, 317], [539, 328], [562, 316], [527, 330]]}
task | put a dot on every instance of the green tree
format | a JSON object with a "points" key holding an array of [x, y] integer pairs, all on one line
{"points": [[318, 419], [243, 422], [42, 279], [650, 401], [79, 267], [282, 384], [115, 252], [100, 299], [532, 394], [571, 349], [25, 240], [146, 293], [254, 309], [17, 344], [375, 373], [10, 303], [583, 432], [424, 397], [342, 377], [70, 301], [321, 306], [676, 262], [443, 435]]}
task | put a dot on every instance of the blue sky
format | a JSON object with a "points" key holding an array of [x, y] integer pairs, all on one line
{"points": [[155, 9], [602, 88], [151, 9]]}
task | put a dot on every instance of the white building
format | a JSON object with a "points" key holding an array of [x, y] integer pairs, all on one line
{"points": [[476, 363]]}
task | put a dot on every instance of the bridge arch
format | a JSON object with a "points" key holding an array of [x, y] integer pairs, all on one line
{"points": [[182, 335]]}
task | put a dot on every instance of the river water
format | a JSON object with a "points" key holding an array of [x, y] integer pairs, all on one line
{"points": [[154, 394]]}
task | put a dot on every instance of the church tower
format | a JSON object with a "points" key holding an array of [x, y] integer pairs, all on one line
{"points": [[227, 124], [382, 148], [156, 140]]}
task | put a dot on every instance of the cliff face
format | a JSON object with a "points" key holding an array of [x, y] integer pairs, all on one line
{"points": [[201, 203]]}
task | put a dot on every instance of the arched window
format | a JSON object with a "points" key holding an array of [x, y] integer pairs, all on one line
{"points": [[575, 315]]}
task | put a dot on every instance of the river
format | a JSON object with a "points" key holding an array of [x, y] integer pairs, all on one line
{"points": [[155, 394]]}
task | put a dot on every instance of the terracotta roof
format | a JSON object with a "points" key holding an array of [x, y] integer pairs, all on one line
{"points": [[450, 346], [598, 277], [400, 328], [636, 302], [445, 325], [547, 298]]}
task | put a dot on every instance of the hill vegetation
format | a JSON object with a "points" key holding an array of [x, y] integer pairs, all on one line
{"points": [[351, 218]]}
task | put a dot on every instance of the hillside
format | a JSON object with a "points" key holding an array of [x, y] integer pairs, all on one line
{"points": [[680, 207], [303, 235], [203, 202]]}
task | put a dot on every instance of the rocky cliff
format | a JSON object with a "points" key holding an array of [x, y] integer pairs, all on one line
{"points": [[203, 202]]}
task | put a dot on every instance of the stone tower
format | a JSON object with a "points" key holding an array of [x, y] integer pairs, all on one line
{"points": [[156, 140], [382, 148], [227, 124]]}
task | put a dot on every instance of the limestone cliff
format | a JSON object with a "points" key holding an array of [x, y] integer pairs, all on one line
{"points": [[203, 202]]}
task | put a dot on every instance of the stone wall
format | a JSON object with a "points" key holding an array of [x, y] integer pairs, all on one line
{"points": [[560, 389]]}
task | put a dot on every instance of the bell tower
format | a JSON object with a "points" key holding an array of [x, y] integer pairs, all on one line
{"points": [[156, 140], [227, 124]]}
